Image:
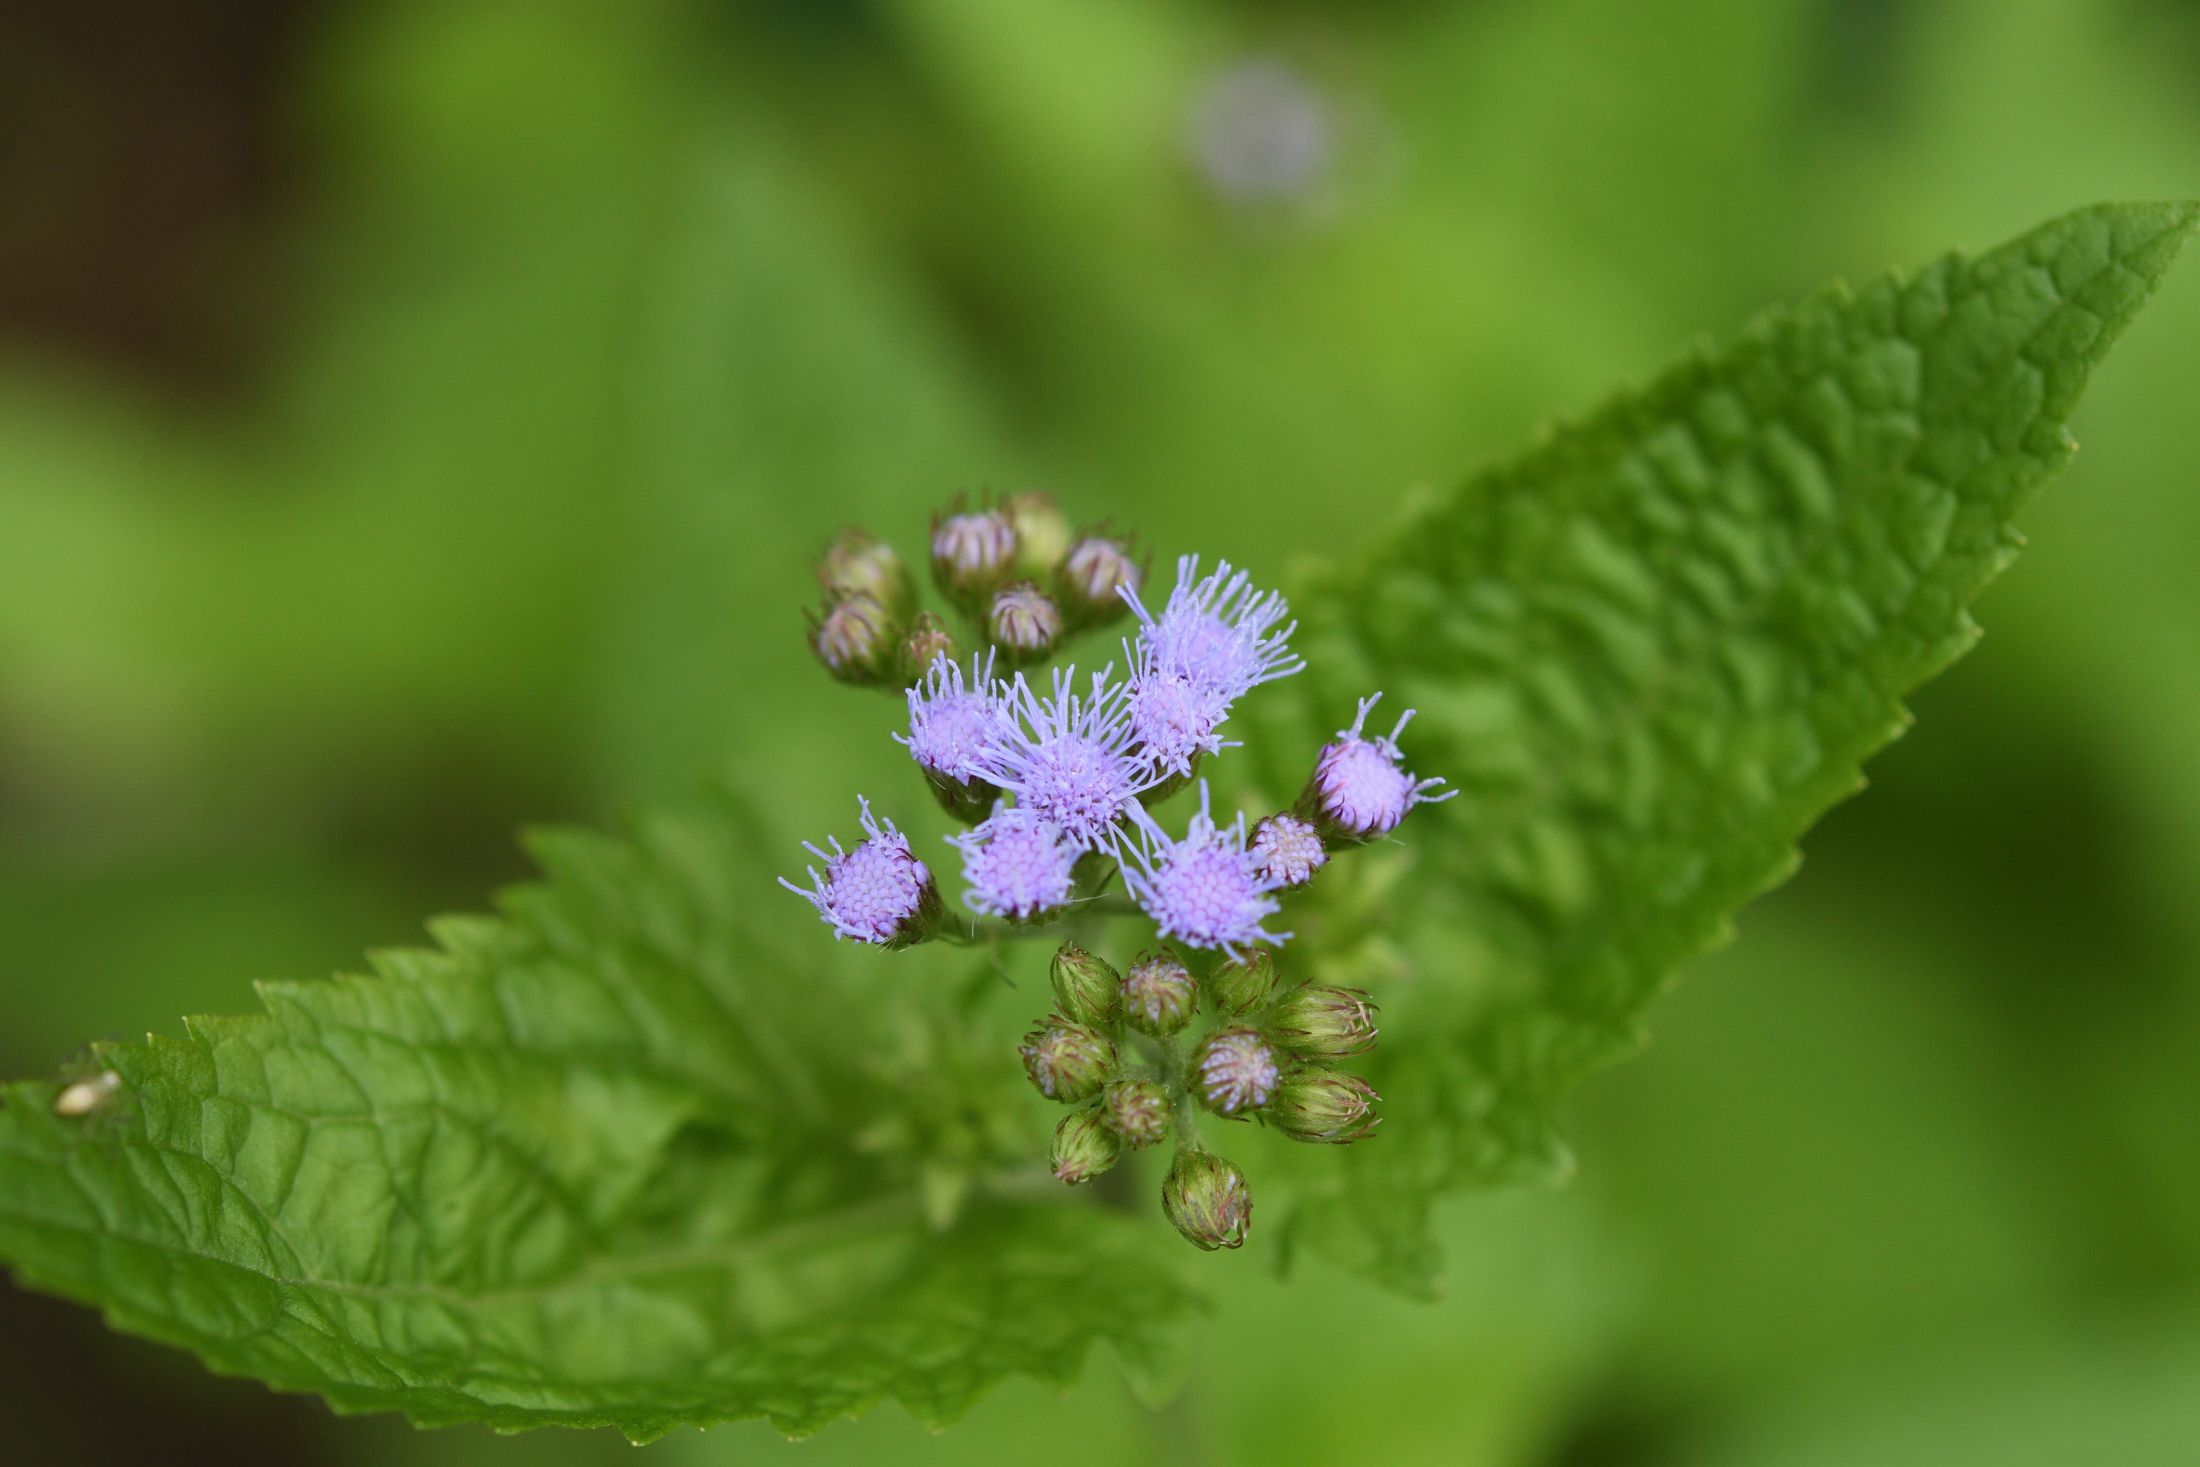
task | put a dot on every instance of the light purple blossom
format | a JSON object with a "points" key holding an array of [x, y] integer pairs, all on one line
{"points": [[1018, 864], [1215, 639], [1070, 759], [952, 722], [1360, 786], [1206, 889], [1289, 849], [878, 893]]}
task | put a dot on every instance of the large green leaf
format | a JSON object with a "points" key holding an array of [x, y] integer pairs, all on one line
{"points": [[1650, 653]]}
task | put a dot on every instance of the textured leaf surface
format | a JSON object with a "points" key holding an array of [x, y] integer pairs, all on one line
{"points": [[595, 1163], [1650, 653]]}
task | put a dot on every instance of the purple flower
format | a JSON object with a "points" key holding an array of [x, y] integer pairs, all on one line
{"points": [[878, 893], [1359, 791], [953, 722], [1215, 640], [1289, 849], [1068, 759], [1206, 889], [1017, 863]]}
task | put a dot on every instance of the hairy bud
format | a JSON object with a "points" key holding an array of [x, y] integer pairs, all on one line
{"points": [[1041, 533], [1207, 1199], [1239, 986], [1023, 623], [1095, 573], [1159, 996], [1234, 1071], [1324, 1022], [1067, 1062], [973, 554], [927, 641], [1322, 1105], [1086, 987], [1289, 849], [1137, 1111], [856, 638], [858, 563], [1083, 1147], [1360, 788]]}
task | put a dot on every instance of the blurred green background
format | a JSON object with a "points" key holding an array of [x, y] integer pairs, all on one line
{"points": [[415, 419]]}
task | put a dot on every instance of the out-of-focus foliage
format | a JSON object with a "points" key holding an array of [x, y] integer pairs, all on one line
{"points": [[1908, 1169]]}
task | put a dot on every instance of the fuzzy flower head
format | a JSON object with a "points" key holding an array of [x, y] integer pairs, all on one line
{"points": [[1018, 865], [953, 721], [1289, 849], [1174, 718], [1360, 789], [1217, 631], [1207, 889], [878, 893], [1069, 759]]}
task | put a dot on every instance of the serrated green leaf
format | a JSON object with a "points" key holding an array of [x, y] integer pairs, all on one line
{"points": [[594, 1162], [1650, 653]]}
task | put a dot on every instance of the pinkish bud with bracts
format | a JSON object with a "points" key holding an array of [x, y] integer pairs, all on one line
{"points": [[1083, 1147], [856, 638], [1321, 1105], [1240, 986], [973, 555], [1137, 1111], [858, 563], [928, 641], [1041, 533], [1023, 623], [1359, 789], [1207, 1199], [1234, 1071], [1324, 1022], [1067, 1062], [1086, 987], [1159, 996], [1095, 574], [1288, 849]]}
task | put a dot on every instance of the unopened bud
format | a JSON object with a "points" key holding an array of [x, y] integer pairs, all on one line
{"points": [[855, 638], [1067, 1062], [1240, 986], [1041, 533], [858, 563], [1324, 1022], [1207, 1199], [1137, 1111], [1086, 987], [1083, 1147], [1314, 1104], [1023, 623], [1288, 849], [1159, 996], [1095, 573], [973, 553], [1233, 1071], [928, 640]]}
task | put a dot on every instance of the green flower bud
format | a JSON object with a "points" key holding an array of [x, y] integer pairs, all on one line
{"points": [[1068, 1062], [1159, 996], [1085, 987], [1096, 571], [1316, 1104], [1234, 1071], [1083, 1147], [1136, 1110], [927, 641], [855, 638], [858, 563], [973, 555], [1207, 1199], [1239, 986], [1023, 623], [1041, 533], [1324, 1022]]}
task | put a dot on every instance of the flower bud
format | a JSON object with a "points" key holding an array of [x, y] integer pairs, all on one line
{"points": [[1083, 1147], [1233, 1071], [1239, 986], [1136, 1110], [973, 554], [858, 563], [855, 638], [1095, 573], [1207, 1199], [1041, 533], [1068, 1062], [1085, 987], [878, 893], [1360, 788], [927, 641], [1023, 623], [1159, 996], [1324, 1022], [1288, 849], [1322, 1105]]}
